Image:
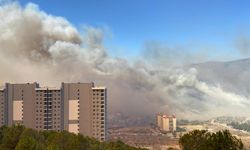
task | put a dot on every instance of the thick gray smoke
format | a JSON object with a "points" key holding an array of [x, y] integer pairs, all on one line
{"points": [[35, 46]]}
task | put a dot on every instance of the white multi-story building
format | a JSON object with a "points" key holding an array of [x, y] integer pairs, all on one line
{"points": [[75, 107], [166, 122]]}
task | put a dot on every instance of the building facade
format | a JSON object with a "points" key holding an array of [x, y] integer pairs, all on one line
{"points": [[166, 123], [2, 107], [75, 107]]}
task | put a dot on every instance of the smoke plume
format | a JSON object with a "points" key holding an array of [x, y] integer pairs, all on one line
{"points": [[36, 46]]}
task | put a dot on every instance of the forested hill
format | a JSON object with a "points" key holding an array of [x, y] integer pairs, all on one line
{"points": [[20, 138]]}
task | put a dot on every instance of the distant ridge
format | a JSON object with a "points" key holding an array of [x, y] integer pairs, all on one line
{"points": [[233, 76]]}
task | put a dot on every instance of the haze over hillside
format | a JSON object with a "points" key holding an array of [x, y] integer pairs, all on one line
{"points": [[232, 75], [229, 80]]}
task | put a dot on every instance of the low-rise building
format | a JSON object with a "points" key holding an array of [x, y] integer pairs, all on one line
{"points": [[166, 122]]}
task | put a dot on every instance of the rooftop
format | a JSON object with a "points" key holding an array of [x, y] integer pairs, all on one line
{"points": [[165, 115], [47, 88], [99, 87]]}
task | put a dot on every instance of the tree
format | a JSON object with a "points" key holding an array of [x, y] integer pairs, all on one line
{"points": [[204, 140], [224, 140], [2, 131], [18, 137], [30, 140], [11, 137], [29, 143]]}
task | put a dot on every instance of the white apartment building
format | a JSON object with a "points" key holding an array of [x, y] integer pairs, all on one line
{"points": [[166, 122], [75, 107]]}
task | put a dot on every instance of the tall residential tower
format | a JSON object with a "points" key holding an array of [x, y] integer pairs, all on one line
{"points": [[75, 107]]}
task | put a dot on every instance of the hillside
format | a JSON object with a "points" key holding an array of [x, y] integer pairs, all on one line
{"points": [[233, 76]]}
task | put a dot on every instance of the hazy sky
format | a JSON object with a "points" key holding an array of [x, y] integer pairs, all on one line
{"points": [[210, 26], [53, 42]]}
